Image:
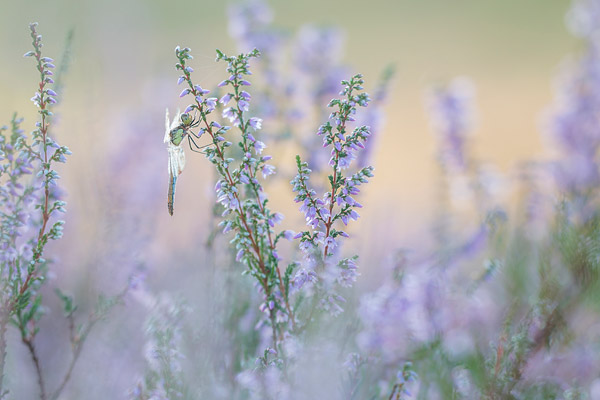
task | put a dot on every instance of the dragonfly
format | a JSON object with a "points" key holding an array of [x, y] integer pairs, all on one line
{"points": [[176, 132]]}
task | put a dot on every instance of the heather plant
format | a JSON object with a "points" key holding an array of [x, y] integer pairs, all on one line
{"points": [[519, 333], [515, 291], [502, 304], [29, 220], [297, 73], [252, 221], [292, 299]]}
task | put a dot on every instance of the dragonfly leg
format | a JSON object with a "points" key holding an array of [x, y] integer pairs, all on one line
{"points": [[194, 134], [192, 142]]}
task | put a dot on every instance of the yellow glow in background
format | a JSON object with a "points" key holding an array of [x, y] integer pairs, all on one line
{"points": [[123, 68]]}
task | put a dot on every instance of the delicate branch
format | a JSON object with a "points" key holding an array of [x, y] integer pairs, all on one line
{"points": [[28, 341]]}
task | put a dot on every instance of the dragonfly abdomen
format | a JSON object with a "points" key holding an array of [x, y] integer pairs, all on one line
{"points": [[171, 196]]}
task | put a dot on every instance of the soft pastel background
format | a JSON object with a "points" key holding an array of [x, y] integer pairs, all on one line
{"points": [[122, 78], [123, 68]]}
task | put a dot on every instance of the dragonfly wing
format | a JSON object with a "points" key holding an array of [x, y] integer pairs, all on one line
{"points": [[176, 158], [170, 125], [167, 126]]}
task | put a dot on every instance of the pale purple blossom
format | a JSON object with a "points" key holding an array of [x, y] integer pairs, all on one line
{"points": [[211, 103], [255, 123], [267, 170], [450, 108], [302, 277], [244, 105], [225, 99], [230, 113], [259, 146]]}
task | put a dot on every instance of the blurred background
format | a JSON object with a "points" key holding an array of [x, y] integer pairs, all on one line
{"points": [[121, 78]]}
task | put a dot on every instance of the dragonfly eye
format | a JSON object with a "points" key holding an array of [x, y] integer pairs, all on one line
{"points": [[186, 119]]}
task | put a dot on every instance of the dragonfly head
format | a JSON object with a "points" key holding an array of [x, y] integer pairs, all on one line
{"points": [[186, 119]]}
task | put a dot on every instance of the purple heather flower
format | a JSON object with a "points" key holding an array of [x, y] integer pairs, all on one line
{"points": [[348, 273], [230, 114], [255, 123], [302, 277], [239, 255], [211, 103], [244, 105], [259, 146], [316, 47], [344, 161], [330, 242], [573, 124], [244, 178], [451, 116], [245, 95], [228, 201], [185, 92], [228, 227], [267, 170], [276, 218], [225, 99], [201, 91]]}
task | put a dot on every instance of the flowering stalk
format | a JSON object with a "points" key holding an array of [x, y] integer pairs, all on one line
{"points": [[41, 150], [23, 268], [238, 188], [28, 205], [320, 213]]}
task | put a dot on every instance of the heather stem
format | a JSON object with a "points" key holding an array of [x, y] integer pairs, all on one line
{"points": [[28, 341], [43, 128], [333, 189], [252, 236]]}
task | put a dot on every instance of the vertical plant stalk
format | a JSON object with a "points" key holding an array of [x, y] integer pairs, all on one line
{"points": [[28, 341], [44, 99], [22, 306], [334, 184], [259, 252]]}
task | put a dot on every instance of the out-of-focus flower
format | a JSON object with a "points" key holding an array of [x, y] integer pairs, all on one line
{"points": [[450, 108]]}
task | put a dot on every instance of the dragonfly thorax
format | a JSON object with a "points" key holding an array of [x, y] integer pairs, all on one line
{"points": [[177, 135]]}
